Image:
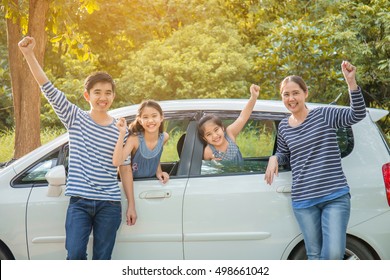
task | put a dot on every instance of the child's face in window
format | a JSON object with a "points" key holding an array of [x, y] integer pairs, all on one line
{"points": [[213, 133], [150, 119]]}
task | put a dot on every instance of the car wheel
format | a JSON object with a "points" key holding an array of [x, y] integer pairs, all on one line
{"points": [[358, 250], [355, 250], [5, 254]]}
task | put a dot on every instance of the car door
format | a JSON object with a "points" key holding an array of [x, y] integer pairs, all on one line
{"points": [[45, 214], [229, 212], [157, 233]]}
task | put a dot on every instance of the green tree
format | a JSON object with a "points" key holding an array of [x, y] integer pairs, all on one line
{"points": [[367, 43], [311, 38], [29, 18], [23, 18], [201, 60], [6, 107]]}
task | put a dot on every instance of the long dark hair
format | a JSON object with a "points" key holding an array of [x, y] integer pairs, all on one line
{"points": [[135, 127]]}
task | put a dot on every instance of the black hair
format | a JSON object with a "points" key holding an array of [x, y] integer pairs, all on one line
{"points": [[135, 127], [98, 77], [203, 120]]}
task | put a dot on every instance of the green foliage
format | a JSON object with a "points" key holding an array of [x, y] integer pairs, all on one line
{"points": [[199, 48], [299, 47], [252, 143], [311, 38], [6, 107], [71, 82], [201, 60], [7, 139], [170, 148]]}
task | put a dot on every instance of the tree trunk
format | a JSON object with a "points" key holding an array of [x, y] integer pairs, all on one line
{"points": [[25, 90]]}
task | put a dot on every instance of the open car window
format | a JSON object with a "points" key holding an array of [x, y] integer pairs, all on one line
{"points": [[175, 124], [256, 142]]}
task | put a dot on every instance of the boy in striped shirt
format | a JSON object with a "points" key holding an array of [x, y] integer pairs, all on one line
{"points": [[92, 184]]}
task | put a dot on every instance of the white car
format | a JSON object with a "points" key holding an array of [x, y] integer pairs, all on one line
{"points": [[207, 210]]}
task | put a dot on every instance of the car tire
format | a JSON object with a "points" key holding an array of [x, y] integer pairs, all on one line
{"points": [[355, 250], [5, 254], [358, 250]]}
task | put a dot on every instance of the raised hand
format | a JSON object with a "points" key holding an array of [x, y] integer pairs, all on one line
{"points": [[255, 90], [27, 44], [349, 72], [121, 125]]}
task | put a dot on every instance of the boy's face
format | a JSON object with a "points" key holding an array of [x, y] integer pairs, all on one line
{"points": [[100, 96]]}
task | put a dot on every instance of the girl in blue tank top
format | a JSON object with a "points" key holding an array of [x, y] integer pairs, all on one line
{"points": [[220, 142], [145, 144]]}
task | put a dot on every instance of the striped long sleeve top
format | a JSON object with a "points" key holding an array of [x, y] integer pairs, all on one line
{"points": [[91, 174], [313, 153]]}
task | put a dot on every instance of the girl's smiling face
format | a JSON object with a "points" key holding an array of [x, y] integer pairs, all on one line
{"points": [[150, 119], [213, 133]]}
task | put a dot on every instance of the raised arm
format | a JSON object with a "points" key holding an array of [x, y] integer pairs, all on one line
{"points": [[26, 46], [349, 72], [342, 117], [234, 129]]}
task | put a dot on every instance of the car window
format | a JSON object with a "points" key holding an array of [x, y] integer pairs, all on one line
{"points": [[175, 124], [36, 173], [345, 140], [176, 130], [256, 142]]}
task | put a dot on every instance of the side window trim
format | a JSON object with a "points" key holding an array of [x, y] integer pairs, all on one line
{"points": [[17, 182]]}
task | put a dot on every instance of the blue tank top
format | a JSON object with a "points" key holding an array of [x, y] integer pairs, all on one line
{"points": [[145, 161], [232, 153]]}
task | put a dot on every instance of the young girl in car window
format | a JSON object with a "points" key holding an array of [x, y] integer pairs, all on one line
{"points": [[220, 142], [145, 143]]}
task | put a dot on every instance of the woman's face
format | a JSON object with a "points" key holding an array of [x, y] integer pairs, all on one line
{"points": [[294, 97]]}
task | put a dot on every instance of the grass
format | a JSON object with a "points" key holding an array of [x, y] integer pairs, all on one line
{"points": [[7, 140]]}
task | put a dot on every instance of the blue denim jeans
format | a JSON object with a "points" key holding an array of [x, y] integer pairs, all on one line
{"points": [[324, 228], [84, 216]]}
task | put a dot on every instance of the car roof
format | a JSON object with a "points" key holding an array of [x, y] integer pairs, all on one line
{"points": [[229, 104]]}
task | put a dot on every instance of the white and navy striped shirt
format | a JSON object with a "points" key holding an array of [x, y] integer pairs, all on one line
{"points": [[313, 152], [91, 174]]}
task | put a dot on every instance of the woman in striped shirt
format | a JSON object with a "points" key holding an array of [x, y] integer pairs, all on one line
{"points": [[307, 140]]}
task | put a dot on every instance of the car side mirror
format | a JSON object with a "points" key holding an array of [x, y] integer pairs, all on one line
{"points": [[56, 177]]}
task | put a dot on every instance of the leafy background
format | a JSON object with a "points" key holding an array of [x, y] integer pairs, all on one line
{"points": [[164, 49]]}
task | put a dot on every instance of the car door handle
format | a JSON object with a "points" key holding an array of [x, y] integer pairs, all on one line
{"points": [[283, 189], [155, 194]]}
